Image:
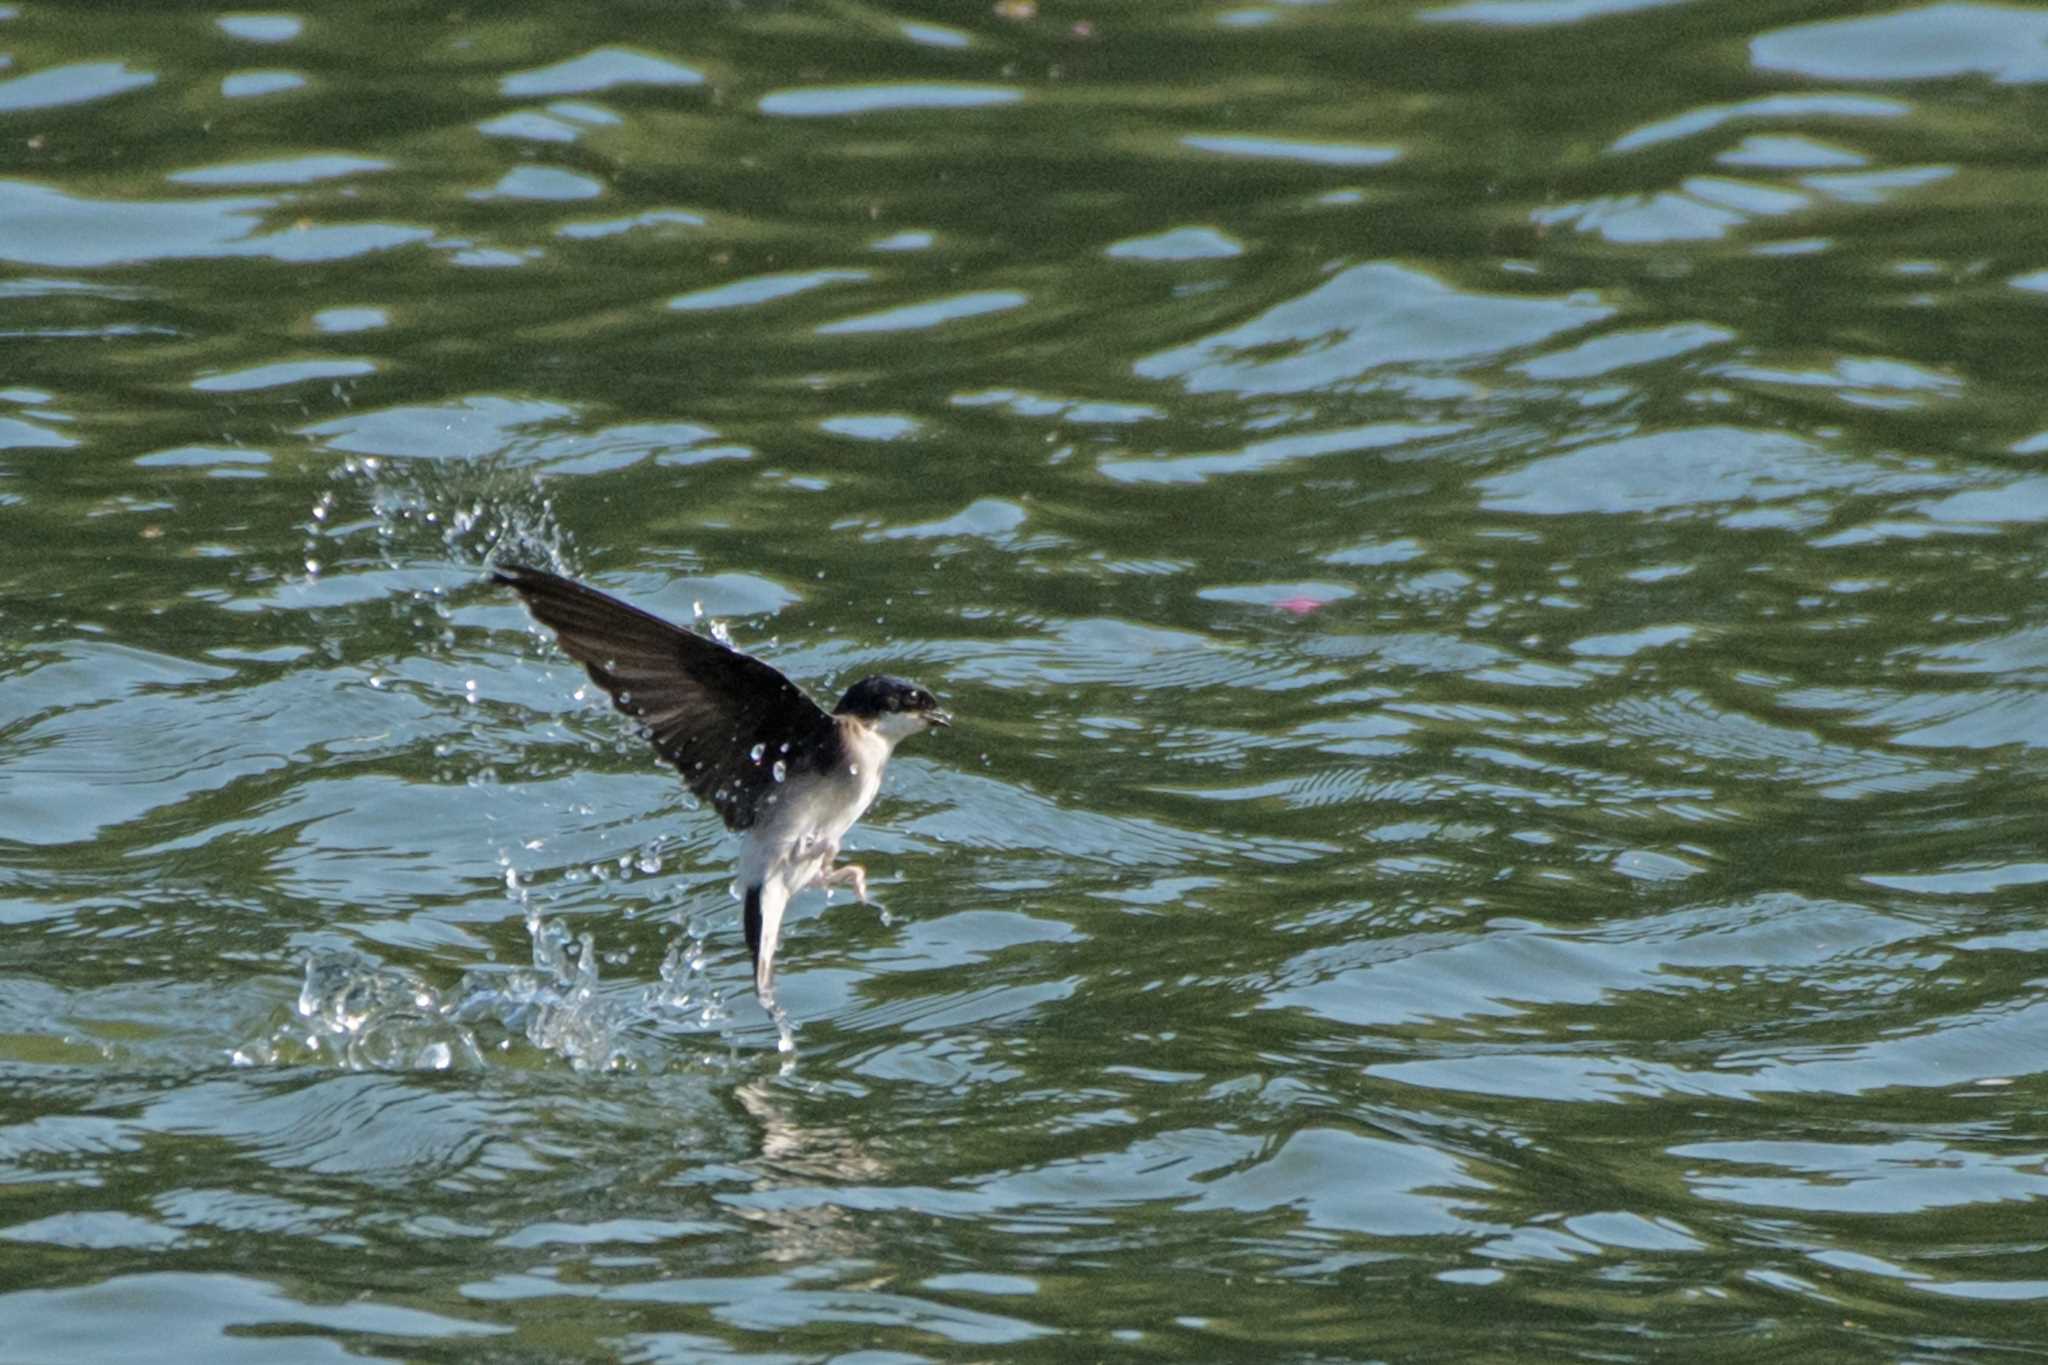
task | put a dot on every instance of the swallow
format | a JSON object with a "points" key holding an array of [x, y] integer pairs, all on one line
{"points": [[788, 778]]}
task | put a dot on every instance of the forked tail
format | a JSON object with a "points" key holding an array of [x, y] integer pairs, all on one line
{"points": [[763, 922]]}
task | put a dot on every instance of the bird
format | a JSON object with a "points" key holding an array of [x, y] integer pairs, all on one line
{"points": [[788, 778]]}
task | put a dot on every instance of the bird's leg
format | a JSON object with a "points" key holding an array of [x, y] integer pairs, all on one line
{"points": [[829, 876], [852, 872]]}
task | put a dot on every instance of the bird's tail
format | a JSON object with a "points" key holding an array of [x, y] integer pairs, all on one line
{"points": [[763, 921]]}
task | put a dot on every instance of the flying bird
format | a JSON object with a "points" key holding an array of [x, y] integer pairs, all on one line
{"points": [[788, 778]]}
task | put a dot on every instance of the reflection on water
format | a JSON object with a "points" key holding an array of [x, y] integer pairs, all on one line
{"points": [[1487, 558], [1383, 317]]}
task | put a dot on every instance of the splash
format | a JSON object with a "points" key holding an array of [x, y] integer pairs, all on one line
{"points": [[561, 1004], [363, 1015], [423, 512], [367, 1016], [412, 521], [370, 1018]]}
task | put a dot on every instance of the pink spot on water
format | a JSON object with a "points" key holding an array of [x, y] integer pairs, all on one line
{"points": [[1299, 606]]}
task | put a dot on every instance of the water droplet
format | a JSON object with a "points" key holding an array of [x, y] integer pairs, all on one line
{"points": [[756, 752], [781, 770]]}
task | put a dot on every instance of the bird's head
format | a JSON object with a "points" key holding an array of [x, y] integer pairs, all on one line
{"points": [[896, 708]]}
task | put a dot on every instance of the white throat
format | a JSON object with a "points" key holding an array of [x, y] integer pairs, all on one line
{"points": [[896, 726]]}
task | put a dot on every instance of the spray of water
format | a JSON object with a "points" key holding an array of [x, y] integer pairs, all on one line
{"points": [[363, 1015], [420, 520]]}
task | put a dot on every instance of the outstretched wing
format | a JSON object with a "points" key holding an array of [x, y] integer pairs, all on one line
{"points": [[723, 718]]}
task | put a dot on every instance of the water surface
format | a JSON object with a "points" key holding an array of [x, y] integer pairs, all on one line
{"points": [[1488, 558]]}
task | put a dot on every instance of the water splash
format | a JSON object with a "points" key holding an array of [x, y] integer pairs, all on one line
{"points": [[402, 517], [368, 1016], [364, 1015], [561, 1004], [472, 512]]}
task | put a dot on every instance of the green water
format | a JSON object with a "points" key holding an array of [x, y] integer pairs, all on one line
{"points": [[1488, 560]]}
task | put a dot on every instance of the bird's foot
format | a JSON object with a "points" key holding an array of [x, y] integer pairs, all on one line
{"points": [[852, 872]]}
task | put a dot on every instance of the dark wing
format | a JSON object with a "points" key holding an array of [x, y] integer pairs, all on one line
{"points": [[708, 708]]}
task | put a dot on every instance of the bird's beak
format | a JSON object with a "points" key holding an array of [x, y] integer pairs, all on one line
{"points": [[938, 718]]}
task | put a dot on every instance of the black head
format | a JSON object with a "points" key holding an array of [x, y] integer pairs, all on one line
{"points": [[872, 699]]}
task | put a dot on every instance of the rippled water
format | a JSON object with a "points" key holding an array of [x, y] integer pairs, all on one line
{"points": [[1489, 562]]}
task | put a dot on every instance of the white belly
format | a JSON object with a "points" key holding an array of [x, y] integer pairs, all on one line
{"points": [[799, 836]]}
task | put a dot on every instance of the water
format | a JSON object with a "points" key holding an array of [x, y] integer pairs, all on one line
{"points": [[1487, 560]]}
